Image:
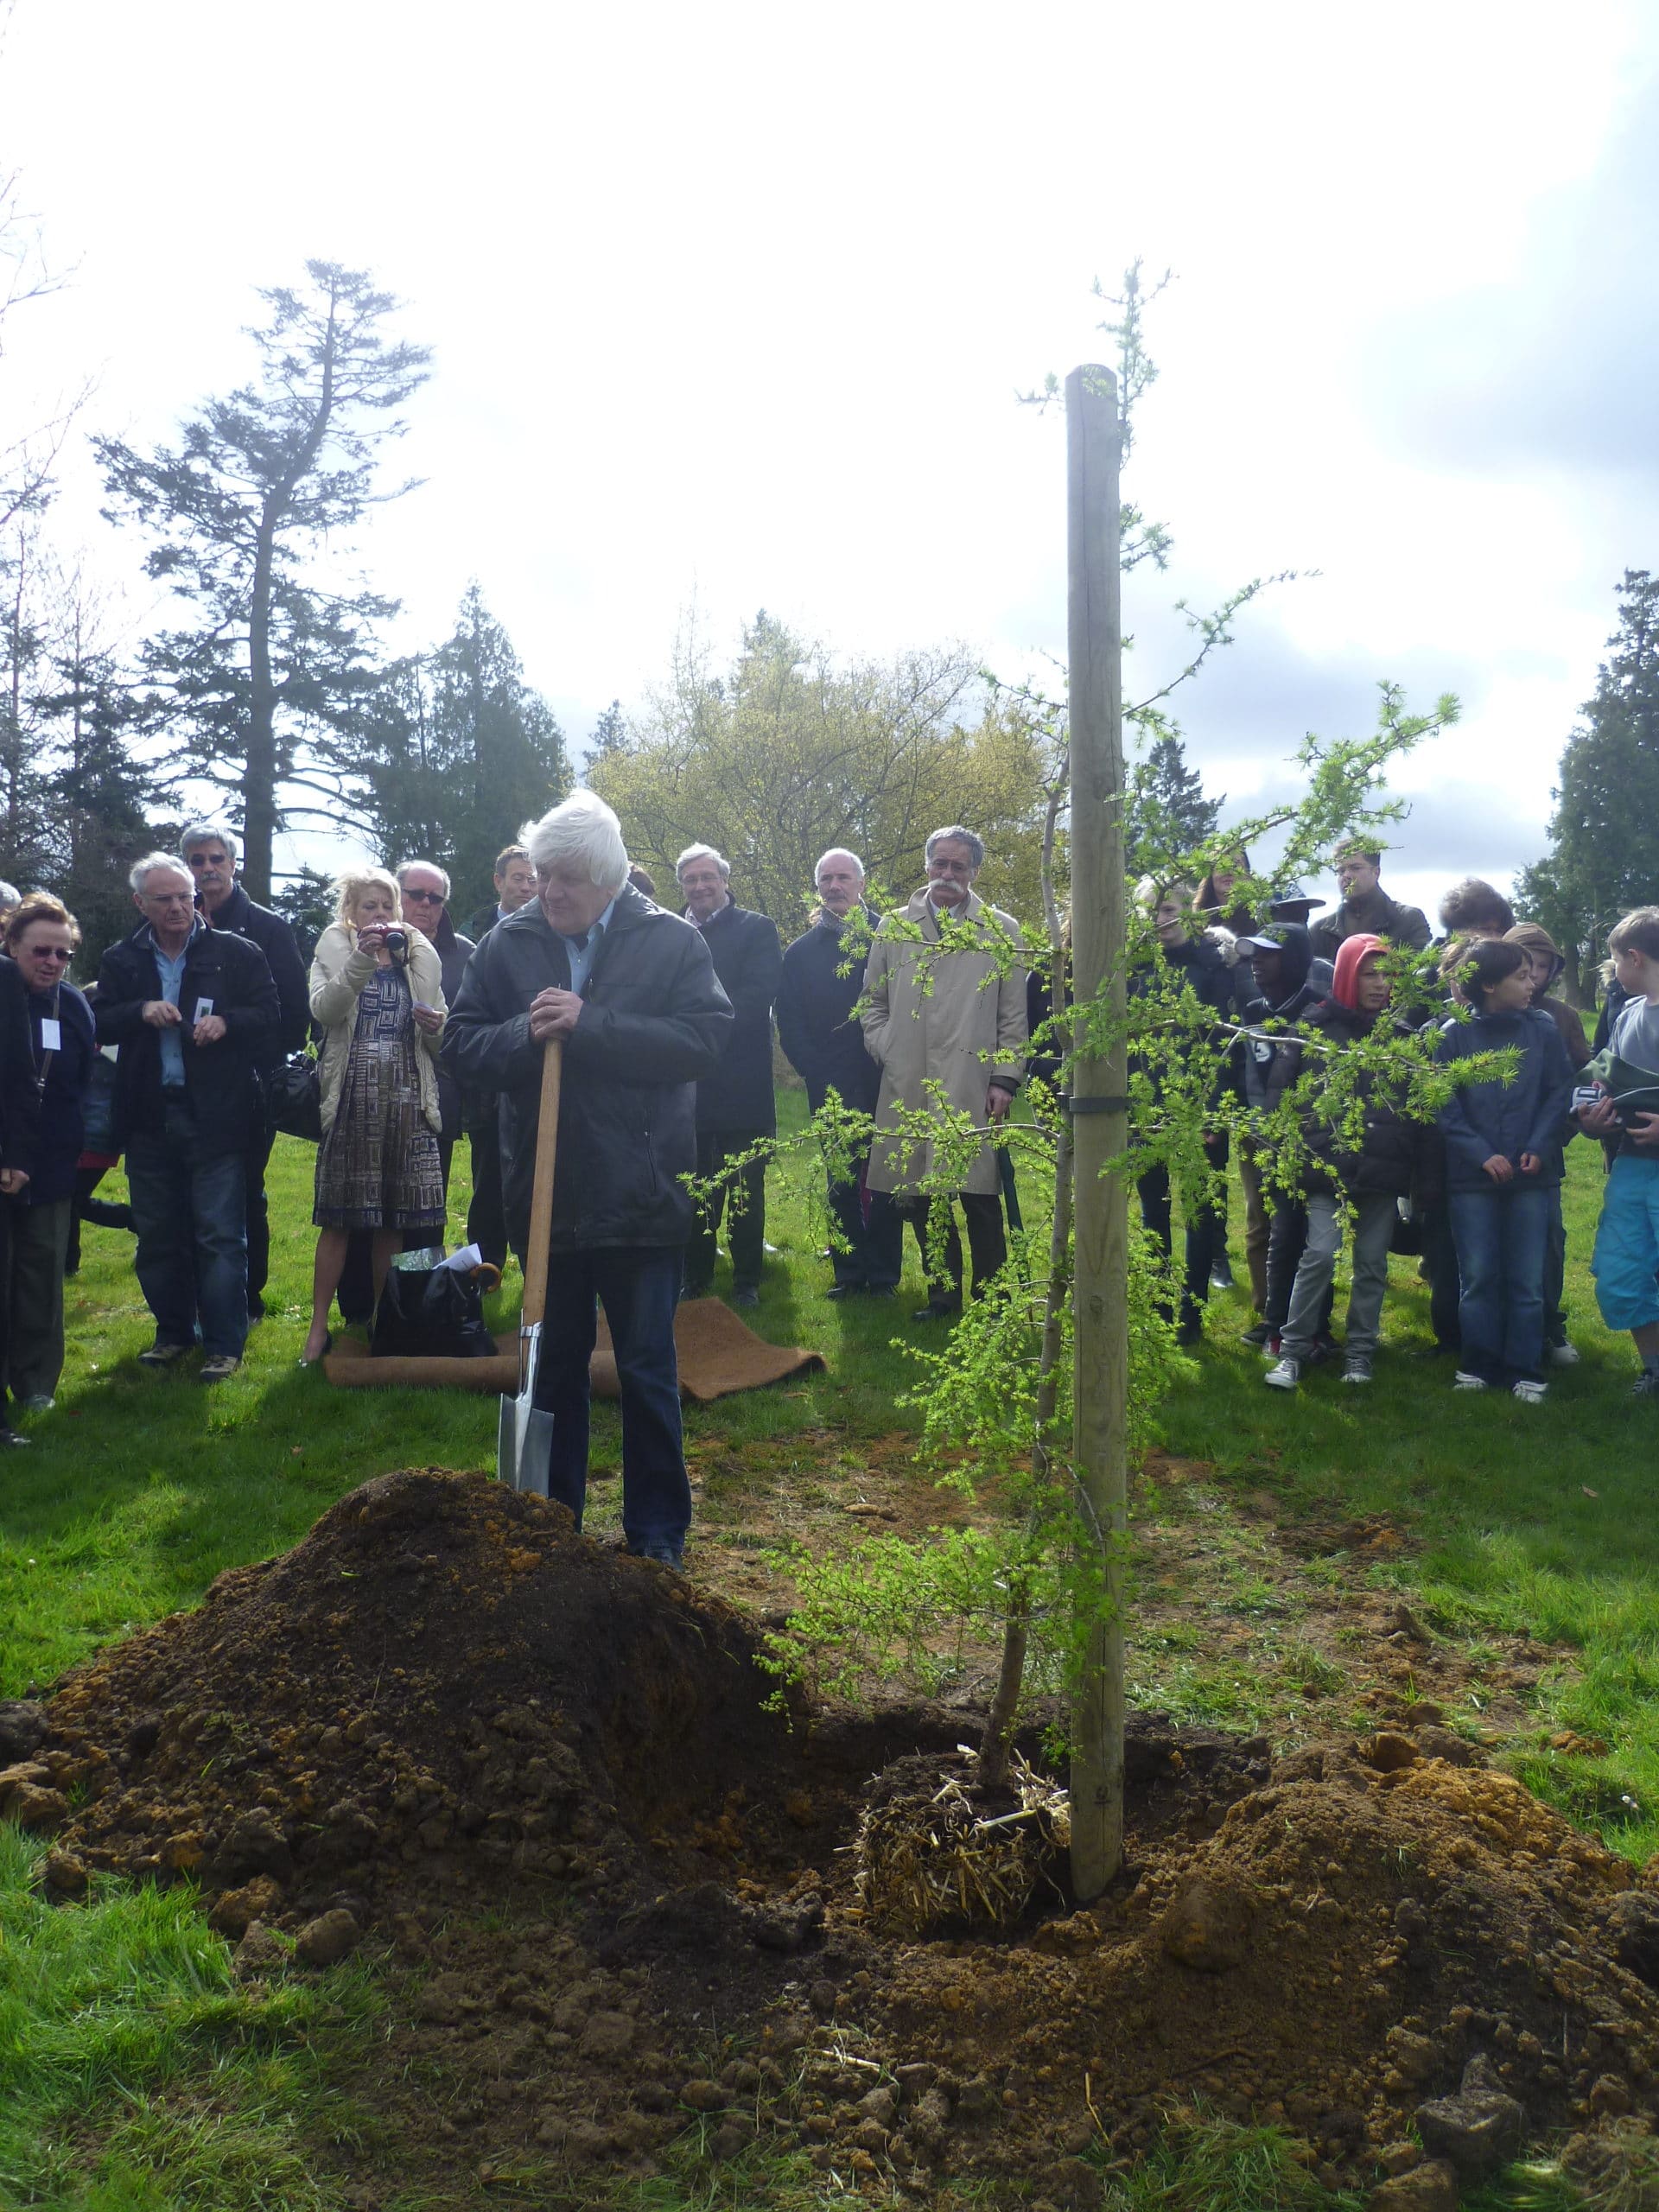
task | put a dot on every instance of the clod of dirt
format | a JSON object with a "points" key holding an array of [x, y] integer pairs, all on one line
{"points": [[23, 1728], [1429, 2187], [1478, 2131], [442, 1687], [1209, 1927], [326, 1940]]}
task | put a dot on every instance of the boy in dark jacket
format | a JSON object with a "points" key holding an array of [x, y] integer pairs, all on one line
{"points": [[1374, 1178], [1504, 1145]]}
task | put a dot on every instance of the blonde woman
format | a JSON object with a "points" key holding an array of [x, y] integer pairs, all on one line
{"points": [[378, 991]]}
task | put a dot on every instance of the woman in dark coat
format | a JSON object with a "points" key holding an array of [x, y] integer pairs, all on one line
{"points": [[40, 937]]}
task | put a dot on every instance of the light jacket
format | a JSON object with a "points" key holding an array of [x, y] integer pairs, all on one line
{"points": [[940, 1017], [338, 971]]}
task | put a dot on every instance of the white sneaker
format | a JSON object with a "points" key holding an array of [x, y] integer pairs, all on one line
{"points": [[1564, 1355], [1285, 1375], [1530, 1394], [1463, 1380]]}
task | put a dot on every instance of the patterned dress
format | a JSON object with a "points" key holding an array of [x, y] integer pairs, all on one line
{"points": [[377, 1167]]}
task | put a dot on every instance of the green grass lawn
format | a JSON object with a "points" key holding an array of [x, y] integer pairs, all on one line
{"points": [[138, 2053]]}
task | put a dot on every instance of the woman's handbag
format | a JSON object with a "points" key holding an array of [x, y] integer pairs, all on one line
{"points": [[433, 1313], [294, 1103]]}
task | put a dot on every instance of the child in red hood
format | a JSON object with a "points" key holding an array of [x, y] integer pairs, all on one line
{"points": [[1372, 1179]]}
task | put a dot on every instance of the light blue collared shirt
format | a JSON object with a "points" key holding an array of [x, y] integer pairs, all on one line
{"points": [[581, 954], [172, 975]]}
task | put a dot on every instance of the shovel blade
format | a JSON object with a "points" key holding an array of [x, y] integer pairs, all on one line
{"points": [[523, 1437]]}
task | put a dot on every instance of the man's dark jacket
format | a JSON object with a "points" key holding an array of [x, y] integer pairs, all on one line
{"points": [[221, 1081], [653, 1023], [821, 1037], [20, 1096], [453, 951], [275, 938], [748, 960], [1380, 916]]}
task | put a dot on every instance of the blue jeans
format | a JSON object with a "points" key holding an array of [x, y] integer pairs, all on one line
{"points": [[640, 1286], [1502, 1238], [191, 1216]]}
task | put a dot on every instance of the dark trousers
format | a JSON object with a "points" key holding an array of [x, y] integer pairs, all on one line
{"points": [[934, 1221], [746, 1215], [868, 1251], [192, 1219], [256, 1158], [1556, 1274], [1206, 1233], [1502, 1237], [1439, 1270], [1287, 1239], [638, 1285], [486, 1219], [33, 1282], [355, 1296]]}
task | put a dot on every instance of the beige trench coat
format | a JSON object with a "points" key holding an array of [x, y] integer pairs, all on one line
{"points": [[944, 1017], [338, 972]]}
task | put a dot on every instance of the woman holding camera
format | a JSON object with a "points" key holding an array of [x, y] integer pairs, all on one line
{"points": [[377, 992]]}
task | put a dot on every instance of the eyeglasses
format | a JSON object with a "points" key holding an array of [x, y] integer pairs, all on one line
{"points": [[423, 897], [46, 952], [200, 861]]}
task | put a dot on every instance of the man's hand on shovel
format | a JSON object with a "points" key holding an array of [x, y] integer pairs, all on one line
{"points": [[553, 1014]]}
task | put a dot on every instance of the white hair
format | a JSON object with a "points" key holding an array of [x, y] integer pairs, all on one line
{"points": [[581, 828], [837, 853], [205, 833], [147, 866], [10, 894], [443, 873], [705, 853], [959, 835]]}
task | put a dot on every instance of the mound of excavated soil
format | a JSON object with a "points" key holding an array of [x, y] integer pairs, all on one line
{"points": [[442, 1687], [444, 1700]]}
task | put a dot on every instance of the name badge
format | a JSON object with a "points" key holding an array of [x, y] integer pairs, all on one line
{"points": [[204, 1007], [51, 1036]]}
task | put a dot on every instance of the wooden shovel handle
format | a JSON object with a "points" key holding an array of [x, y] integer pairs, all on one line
{"points": [[541, 1197]]}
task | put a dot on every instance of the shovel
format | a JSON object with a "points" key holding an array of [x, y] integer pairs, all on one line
{"points": [[524, 1444]]}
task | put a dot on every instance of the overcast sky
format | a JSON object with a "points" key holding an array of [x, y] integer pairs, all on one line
{"points": [[730, 304]]}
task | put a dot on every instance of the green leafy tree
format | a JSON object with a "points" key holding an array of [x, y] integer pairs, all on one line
{"points": [[457, 751], [1604, 835], [261, 689], [789, 751]]}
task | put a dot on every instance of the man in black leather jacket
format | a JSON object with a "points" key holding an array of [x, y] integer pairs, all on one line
{"points": [[632, 991]]}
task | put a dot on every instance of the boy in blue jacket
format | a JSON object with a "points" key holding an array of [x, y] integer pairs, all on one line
{"points": [[1503, 1145]]}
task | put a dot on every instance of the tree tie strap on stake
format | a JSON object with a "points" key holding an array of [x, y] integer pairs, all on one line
{"points": [[1097, 1105]]}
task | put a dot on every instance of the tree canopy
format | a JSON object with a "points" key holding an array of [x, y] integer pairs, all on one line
{"points": [[791, 752]]}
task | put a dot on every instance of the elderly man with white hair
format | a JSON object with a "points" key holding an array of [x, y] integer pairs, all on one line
{"points": [[194, 1014], [944, 1019], [633, 993], [819, 1028], [737, 1106]]}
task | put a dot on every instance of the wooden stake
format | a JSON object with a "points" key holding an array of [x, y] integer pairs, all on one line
{"points": [[1100, 1125]]}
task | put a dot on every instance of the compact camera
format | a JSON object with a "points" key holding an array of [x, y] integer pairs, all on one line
{"points": [[397, 942]]}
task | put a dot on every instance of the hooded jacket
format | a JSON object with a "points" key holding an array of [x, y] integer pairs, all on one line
{"points": [[1527, 1114], [1270, 1061], [1395, 1153]]}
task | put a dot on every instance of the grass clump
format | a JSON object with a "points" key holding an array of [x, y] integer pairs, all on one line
{"points": [[136, 2075]]}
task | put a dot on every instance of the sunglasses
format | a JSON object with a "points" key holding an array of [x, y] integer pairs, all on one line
{"points": [[46, 952], [424, 898]]}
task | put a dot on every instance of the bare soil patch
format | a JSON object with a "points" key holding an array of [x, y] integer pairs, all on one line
{"points": [[618, 1895]]}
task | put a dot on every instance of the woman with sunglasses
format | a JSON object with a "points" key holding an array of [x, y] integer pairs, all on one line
{"points": [[41, 936]]}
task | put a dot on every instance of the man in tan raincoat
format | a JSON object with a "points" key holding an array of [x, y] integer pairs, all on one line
{"points": [[937, 1011]]}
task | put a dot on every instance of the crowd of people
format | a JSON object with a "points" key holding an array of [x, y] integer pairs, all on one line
{"points": [[923, 1024]]}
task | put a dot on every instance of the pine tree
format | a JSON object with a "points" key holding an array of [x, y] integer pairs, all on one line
{"points": [[1603, 855], [458, 752], [1168, 815], [261, 689]]}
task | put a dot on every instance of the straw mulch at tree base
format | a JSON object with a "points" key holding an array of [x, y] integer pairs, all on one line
{"points": [[544, 1781]]}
